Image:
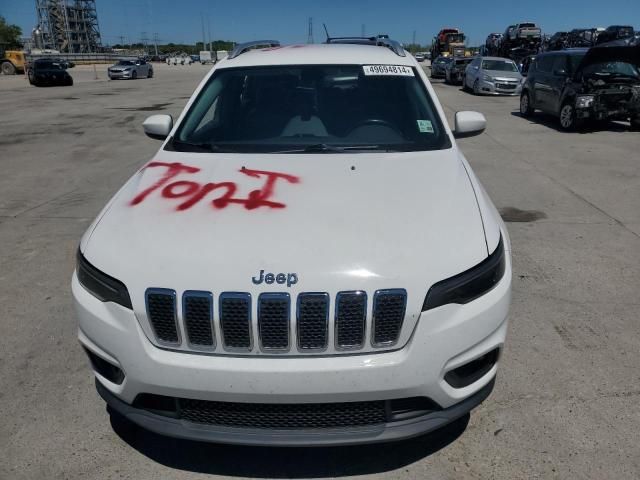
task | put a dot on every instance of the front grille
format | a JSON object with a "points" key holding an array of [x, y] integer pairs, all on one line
{"points": [[198, 318], [161, 310], [388, 315], [313, 321], [235, 320], [273, 321], [283, 416], [318, 328], [351, 316]]}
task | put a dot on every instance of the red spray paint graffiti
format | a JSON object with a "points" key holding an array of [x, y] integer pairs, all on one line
{"points": [[193, 192]]}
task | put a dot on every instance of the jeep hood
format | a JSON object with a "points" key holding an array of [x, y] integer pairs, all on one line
{"points": [[339, 222]]}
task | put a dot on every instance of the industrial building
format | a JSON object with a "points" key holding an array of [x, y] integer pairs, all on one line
{"points": [[69, 26]]}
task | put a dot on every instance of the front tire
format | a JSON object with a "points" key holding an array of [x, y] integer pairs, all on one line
{"points": [[568, 119], [526, 109], [134, 75], [635, 124], [8, 68], [465, 87], [150, 74], [476, 87]]}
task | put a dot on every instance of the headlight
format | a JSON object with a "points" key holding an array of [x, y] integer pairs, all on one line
{"points": [[487, 78], [469, 285], [584, 101], [101, 285]]}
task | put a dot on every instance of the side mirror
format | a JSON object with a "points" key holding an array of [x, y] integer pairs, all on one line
{"points": [[158, 127], [469, 124]]}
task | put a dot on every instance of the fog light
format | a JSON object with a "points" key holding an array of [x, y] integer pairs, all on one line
{"points": [[584, 101]]}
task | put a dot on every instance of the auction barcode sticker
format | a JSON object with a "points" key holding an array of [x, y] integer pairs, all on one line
{"points": [[396, 70]]}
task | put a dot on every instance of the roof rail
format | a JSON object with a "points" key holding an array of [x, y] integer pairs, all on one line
{"points": [[379, 40], [245, 47]]}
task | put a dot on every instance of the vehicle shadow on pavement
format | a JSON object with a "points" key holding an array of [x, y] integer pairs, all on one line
{"points": [[278, 462], [552, 122]]}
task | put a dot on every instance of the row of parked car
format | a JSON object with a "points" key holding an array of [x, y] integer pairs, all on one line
{"points": [[589, 37], [577, 85]]}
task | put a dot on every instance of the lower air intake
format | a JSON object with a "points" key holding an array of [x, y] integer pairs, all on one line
{"points": [[283, 416]]}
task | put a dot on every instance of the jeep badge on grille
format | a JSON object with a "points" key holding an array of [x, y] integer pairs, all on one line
{"points": [[281, 278]]}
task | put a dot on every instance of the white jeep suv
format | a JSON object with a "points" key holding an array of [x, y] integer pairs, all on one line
{"points": [[307, 260]]}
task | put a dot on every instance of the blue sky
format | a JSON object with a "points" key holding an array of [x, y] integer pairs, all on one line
{"points": [[286, 20]]}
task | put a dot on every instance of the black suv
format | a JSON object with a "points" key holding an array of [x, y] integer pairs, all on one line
{"points": [[49, 71], [578, 84]]}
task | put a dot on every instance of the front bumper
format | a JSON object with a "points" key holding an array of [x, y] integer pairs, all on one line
{"points": [[285, 438], [444, 339], [499, 88], [124, 75]]}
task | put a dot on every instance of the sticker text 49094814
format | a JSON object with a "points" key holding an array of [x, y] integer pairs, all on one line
{"points": [[391, 70]]}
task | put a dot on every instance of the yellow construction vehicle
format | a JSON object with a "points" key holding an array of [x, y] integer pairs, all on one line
{"points": [[12, 62]]}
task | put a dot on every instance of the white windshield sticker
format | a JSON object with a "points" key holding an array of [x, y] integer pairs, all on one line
{"points": [[425, 126], [394, 70]]}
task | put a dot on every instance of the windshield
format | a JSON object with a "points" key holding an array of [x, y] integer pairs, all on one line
{"points": [[499, 65], [455, 38], [49, 66], [605, 70], [314, 107], [125, 62]]}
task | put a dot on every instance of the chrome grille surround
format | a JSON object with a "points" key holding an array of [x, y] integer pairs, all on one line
{"points": [[160, 304], [233, 330], [389, 308], [274, 322], [350, 320], [313, 323], [197, 315]]}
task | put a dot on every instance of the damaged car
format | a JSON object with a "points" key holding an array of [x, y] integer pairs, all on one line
{"points": [[580, 85]]}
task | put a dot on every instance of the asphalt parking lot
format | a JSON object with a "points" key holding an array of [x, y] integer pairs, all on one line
{"points": [[566, 403]]}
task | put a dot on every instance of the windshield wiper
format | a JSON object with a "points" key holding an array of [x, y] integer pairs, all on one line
{"points": [[324, 148], [196, 147]]}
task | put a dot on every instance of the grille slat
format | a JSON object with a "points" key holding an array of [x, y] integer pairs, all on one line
{"points": [[197, 310], [350, 319], [161, 311], [313, 321], [388, 314], [235, 320], [273, 321], [283, 416]]}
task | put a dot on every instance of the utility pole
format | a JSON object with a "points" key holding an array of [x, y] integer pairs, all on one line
{"points": [[145, 41], [204, 40], [209, 30], [310, 34], [155, 42], [413, 42], [363, 30]]}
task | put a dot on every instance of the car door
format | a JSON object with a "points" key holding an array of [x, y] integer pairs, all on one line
{"points": [[471, 72], [143, 69], [542, 82], [557, 81]]}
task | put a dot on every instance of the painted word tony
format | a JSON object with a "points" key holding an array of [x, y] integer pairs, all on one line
{"points": [[221, 194], [269, 278]]}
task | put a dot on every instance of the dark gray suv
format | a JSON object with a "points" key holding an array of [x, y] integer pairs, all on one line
{"points": [[580, 84]]}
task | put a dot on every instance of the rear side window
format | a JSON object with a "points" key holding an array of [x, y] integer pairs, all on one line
{"points": [[560, 64], [544, 63]]}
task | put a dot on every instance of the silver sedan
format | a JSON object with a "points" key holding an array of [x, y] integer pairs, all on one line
{"points": [[130, 69], [492, 76]]}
